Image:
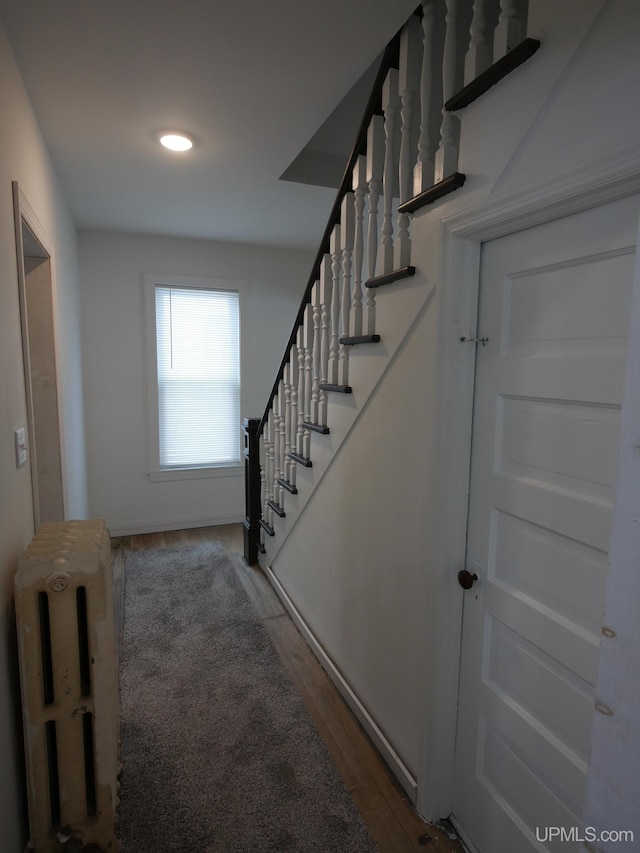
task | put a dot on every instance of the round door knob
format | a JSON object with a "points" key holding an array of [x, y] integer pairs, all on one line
{"points": [[466, 579]]}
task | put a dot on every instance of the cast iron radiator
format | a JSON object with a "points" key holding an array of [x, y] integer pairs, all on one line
{"points": [[69, 685]]}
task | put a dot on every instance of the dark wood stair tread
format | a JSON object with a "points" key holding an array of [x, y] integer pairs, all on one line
{"points": [[267, 527], [277, 508], [323, 430], [390, 277], [302, 460], [442, 188], [350, 341], [341, 389], [288, 486], [505, 65]]}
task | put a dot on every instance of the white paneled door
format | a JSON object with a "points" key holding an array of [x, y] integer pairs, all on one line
{"points": [[554, 303]]}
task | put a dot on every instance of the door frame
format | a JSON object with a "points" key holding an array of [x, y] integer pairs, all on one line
{"points": [[608, 177], [24, 214]]}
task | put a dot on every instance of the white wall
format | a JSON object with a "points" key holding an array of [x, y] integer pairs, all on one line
{"points": [[112, 267], [23, 158]]}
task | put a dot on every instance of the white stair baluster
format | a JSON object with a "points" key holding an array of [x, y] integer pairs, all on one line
{"points": [[311, 365], [312, 360], [270, 494], [478, 57], [277, 474], [303, 400], [325, 319], [408, 83], [510, 30], [336, 268], [316, 361], [375, 170], [360, 189], [272, 450], [347, 231], [282, 395], [423, 173], [262, 451], [390, 107], [447, 154], [292, 426]]}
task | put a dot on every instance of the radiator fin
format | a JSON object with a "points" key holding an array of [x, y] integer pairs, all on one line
{"points": [[52, 772], [89, 764], [83, 641], [45, 649]]}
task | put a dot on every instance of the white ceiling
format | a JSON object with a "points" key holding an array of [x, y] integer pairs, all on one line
{"points": [[252, 81]]}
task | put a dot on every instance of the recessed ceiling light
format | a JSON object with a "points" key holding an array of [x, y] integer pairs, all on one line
{"points": [[176, 141]]}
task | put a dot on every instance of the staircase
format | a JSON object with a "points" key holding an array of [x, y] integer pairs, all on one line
{"points": [[359, 304], [365, 296]]}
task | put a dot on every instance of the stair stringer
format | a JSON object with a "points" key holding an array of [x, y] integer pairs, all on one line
{"points": [[399, 310]]}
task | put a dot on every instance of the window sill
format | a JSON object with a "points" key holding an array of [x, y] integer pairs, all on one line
{"points": [[168, 474]]}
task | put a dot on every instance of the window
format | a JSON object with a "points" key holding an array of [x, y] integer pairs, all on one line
{"points": [[195, 373]]}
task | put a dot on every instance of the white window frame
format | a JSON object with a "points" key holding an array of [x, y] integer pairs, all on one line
{"points": [[154, 472]]}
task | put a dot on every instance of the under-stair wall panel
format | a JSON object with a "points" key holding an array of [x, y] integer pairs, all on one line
{"points": [[358, 576]]}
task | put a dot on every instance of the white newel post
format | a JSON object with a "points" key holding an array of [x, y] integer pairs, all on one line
{"points": [[423, 172], [302, 400], [336, 267], [509, 32], [360, 189], [390, 107], [325, 317], [347, 228], [408, 83], [478, 57]]}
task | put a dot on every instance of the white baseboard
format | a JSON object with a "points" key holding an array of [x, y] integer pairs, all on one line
{"points": [[403, 775], [126, 529]]}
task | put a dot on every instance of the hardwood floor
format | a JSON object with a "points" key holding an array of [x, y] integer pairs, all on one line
{"points": [[392, 821]]}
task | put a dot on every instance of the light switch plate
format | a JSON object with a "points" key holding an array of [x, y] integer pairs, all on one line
{"points": [[21, 447]]}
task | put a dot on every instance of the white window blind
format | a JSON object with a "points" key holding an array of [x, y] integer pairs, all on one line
{"points": [[198, 371]]}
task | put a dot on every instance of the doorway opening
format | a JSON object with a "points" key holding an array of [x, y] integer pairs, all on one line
{"points": [[35, 283]]}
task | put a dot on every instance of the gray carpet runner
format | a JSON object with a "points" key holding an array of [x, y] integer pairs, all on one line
{"points": [[218, 751]]}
